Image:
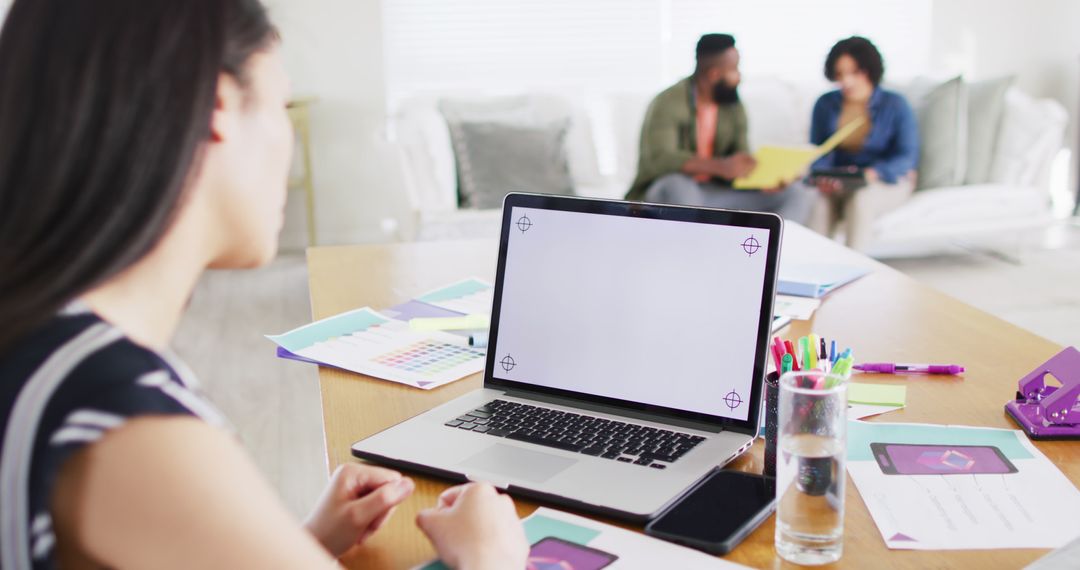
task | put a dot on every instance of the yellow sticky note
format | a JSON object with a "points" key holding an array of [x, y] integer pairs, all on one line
{"points": [[876, 394], [468, 322]]}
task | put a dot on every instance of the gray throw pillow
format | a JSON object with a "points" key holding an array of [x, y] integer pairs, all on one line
{"points": [[986, 105], [496, 158], [941, 110]]}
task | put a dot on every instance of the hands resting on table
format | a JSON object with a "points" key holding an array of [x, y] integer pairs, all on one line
{"points": [[472, 526]]}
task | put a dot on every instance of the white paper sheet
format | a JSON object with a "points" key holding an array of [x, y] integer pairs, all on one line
{"points": [[368, 342], [953, 487], [798, 308], [633, 549], [860, 411]]}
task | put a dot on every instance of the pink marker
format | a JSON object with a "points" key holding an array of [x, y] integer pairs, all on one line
{"points": [[890, 368], [778, 349]]}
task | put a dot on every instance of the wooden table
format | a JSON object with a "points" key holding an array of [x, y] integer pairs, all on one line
{"points": [[884, 314], [300, 115]]}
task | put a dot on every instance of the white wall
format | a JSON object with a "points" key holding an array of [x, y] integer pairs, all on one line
{"points": [[1038, 41], [333, 51]]}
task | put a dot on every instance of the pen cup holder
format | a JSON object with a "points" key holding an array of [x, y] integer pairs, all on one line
{"points": [[772, 399]]}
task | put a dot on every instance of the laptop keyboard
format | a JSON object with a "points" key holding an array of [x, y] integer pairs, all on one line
{"points": [[600, 437]]}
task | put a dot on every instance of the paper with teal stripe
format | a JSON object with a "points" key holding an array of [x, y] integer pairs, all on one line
{"points": [[861, 434], [319, 331], [538, 527], [455, 291]]}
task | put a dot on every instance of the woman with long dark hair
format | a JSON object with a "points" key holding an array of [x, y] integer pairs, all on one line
{"points": [[141, 142]]}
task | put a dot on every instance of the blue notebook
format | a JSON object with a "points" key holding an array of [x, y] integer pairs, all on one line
{"points": [[815, 279]]}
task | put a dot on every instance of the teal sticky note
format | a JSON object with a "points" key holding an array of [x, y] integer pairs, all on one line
{"points": [[876, 394], [538, 527]]}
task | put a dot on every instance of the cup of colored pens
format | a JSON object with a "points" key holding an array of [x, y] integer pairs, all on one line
{"points": [[812, 400], [812, 352]]}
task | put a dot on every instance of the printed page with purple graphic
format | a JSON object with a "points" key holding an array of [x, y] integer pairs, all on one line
{"points": [[931, 487]]}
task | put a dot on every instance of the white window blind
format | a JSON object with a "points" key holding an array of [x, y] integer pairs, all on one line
{"points": [[791, 38], [433, 45], [630, 45]]}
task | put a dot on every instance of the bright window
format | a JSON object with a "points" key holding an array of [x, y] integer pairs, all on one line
{"points": [[630, 45]]}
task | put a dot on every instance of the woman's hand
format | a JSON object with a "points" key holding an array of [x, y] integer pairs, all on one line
{"points": [[828, 185], [475, 528], [359, 499]]}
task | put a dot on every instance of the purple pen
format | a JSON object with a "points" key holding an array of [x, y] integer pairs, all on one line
{"points": [[890, 368]]}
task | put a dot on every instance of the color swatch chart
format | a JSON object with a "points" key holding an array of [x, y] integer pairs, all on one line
{"points": [[368, 342], [428, 358]]}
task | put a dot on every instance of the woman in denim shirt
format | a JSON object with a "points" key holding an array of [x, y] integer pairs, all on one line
{"points": [[873, 169]]}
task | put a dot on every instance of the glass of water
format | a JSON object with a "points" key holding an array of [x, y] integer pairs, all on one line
{"points": [[810, 467]]}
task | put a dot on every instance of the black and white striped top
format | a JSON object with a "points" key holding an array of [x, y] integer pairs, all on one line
{"points": [[61, 388]]}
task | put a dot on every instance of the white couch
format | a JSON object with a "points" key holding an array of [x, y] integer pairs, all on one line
{"points": [[602, 144]]}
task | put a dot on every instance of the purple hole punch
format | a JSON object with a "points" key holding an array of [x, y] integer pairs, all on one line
{"points": [[1050, 412]]}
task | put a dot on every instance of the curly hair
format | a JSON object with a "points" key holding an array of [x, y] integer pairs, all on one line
{"points": [[866, 56]]}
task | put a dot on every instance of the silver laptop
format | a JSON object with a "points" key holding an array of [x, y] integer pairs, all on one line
{"points": [[626, 354]]}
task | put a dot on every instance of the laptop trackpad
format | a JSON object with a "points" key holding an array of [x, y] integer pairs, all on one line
{"points": [[518, 463]]}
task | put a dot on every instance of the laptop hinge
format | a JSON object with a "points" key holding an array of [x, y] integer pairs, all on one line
{"points": [[615, 410]]}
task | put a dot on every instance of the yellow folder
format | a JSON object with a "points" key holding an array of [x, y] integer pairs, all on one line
{"points": [[778, 164]]}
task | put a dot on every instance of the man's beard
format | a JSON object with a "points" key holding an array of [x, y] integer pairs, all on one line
{"points": [[724, 95]]}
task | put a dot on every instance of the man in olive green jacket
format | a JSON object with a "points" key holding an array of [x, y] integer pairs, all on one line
{"points": [[693, 142]]}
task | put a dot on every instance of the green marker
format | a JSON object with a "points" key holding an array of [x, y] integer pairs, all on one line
{"points": [[844, 367], [785, 364], [840, 372]]}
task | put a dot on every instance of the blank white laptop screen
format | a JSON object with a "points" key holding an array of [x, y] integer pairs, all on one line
{"points": [[650, 311]]}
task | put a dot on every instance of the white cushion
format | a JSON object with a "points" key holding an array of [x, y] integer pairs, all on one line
{"points": [[1031, 132], [625, 114], [429, 168], [959, 209]]}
